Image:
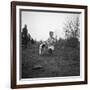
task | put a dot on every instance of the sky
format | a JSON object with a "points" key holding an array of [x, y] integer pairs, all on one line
{"points": [[39, 24]]}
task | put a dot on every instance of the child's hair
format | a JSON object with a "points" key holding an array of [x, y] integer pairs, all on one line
{"points": [[51, 33]]}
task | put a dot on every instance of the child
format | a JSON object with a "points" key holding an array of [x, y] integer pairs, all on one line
{"points": [[51, 42]]}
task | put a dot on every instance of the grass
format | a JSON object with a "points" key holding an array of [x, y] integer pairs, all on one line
{"points": [[65, 61]]}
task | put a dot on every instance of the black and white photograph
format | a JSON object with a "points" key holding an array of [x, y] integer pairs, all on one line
{"points": [[50, 44]]}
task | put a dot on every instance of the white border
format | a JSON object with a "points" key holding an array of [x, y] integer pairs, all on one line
{"points": [[56, 79]]}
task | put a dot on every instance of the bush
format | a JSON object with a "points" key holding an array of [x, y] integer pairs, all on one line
{"points": [[72, 42]]}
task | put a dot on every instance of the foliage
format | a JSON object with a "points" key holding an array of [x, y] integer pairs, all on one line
{"points": [[72, 42], [72, 28]]}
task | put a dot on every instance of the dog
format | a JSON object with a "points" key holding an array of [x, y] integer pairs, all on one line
{"points": [[45, 47], [42, 48]]}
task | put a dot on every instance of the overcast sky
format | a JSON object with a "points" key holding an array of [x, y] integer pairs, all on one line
{"points": [[40, 23]]}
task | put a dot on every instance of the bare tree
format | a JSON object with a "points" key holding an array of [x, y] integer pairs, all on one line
{"points": [[72, 28]]}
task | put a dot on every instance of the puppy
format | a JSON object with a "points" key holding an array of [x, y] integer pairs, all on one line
{"points": [[42, 48]]}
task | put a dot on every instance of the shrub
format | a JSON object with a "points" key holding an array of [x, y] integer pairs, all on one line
{"points": [[72, 42]]}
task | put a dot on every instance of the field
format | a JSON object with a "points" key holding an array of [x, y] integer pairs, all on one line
{"points": [[65, 61]]}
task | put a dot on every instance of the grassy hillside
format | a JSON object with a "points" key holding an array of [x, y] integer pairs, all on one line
{"points": [[65, 61]]}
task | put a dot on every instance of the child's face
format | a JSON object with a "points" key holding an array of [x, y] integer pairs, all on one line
{"points": [[51, 34]]}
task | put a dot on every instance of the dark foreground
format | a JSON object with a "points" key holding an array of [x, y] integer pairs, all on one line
{"points": [[65, 61]]}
